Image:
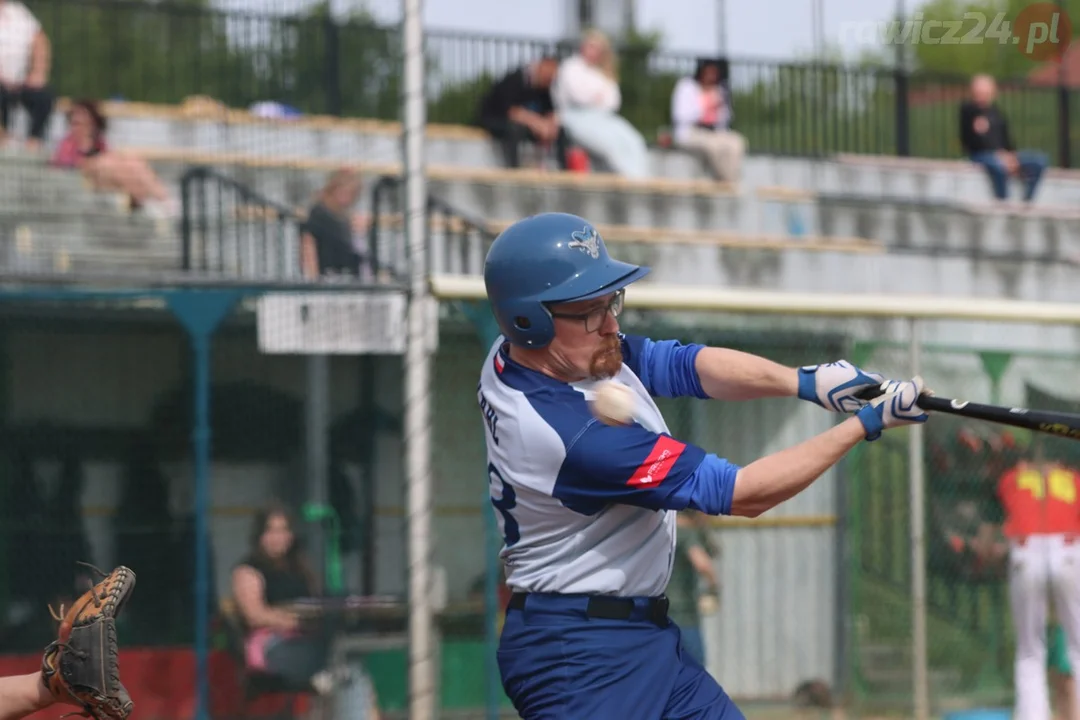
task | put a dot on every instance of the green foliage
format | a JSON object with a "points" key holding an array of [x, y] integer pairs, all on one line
{"points": [[137, 50], [646, 92], [459, 102], [158, 52], [164, 52], [983, 44]]}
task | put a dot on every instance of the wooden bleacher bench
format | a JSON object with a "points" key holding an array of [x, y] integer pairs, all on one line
{"points": [[494, 176], [204, 109], [898, 162], [958, 165], [778, 193], [207, 110], [627, 234], [943, 204]]}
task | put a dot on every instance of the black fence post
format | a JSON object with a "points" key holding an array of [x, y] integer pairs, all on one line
{"points": [[1064, 136], [333, 66], [903, 125]]}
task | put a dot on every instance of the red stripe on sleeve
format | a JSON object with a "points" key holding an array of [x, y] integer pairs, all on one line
{"points": [[659, 463]]}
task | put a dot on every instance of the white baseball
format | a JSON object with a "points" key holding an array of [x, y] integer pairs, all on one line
{"points": [[613, 404]]}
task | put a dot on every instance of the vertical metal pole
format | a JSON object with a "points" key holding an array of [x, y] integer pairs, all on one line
{"points": [[201, 440], [422, 675], [1064, 94], [492, 685], [201, 312], [317, 461], [918, 544], [721, 28]]}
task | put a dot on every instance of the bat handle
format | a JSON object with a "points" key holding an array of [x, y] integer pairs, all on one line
{"points": [[870, 392], [873, 391]]}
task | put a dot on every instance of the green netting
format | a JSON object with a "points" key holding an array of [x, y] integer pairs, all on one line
{"points": [[98, 416]]}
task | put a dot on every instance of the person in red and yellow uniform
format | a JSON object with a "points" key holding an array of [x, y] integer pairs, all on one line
{"points": [[1042, 525]]}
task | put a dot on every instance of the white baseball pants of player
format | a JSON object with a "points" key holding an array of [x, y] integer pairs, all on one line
{"points": [[1042, 569]]}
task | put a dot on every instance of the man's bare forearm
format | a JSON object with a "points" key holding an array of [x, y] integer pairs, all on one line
{"points": [[765, 483], [21, 695], [734, 375]]}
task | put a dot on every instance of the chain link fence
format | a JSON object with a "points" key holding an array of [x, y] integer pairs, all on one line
{"points": [[102, 454], [155, 429]]}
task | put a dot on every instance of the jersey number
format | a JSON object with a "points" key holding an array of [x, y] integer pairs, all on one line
{"points": [[1060, 485], [506, 502]]}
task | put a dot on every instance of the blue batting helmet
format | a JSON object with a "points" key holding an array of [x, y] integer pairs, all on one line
{"points": [[548, 258]]}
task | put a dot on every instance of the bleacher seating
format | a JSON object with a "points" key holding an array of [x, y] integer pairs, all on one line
{"points": [[793, 212], [51, 222]]}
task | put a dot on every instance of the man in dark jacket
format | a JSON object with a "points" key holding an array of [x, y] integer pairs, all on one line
{"points": [[984, 135], [518, 108]]}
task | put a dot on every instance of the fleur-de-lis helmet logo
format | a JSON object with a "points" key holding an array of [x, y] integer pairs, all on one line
{"points": [[587, 241]]}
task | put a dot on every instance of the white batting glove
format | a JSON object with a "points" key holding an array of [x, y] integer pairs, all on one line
{"points": [[897, 407], [834, 385]]}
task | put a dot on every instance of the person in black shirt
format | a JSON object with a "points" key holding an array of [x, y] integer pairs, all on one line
{"points": [[984, 135], [326, 236], [264, 583], [518, 107]]}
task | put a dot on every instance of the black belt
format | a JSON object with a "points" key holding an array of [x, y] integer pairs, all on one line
{"points": [[612, 608]]}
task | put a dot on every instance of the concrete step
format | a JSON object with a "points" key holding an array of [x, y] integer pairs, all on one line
{"points": [[931, 227], [793, 268], [346, 140], [356, 140], [67, 244], [941, 227], [484, 192]]}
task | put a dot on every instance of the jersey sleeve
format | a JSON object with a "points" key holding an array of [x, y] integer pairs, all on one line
{"points": [[666, 368], [634, 466]]}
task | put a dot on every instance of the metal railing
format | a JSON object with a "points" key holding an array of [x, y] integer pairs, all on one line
{"points": [[455, 239], [165, 52], [229, 229]]}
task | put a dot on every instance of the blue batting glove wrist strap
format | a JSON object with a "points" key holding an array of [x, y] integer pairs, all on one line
{"points": [[872, 421], [808, 385]]}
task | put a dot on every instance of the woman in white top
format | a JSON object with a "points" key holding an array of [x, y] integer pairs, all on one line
{"points": [[701, 114], [586, 95]]}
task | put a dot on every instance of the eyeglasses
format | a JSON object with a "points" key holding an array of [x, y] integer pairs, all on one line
{"points": [[594, 319]]}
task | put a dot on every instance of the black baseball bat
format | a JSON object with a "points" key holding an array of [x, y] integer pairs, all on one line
{"points": [[1059, 424]]}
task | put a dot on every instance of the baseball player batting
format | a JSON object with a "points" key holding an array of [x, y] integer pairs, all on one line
{"points": [[1042, 525], [587, 508]]}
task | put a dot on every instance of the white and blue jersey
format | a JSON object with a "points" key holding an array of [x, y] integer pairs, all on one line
{"points": [[584, 507]]}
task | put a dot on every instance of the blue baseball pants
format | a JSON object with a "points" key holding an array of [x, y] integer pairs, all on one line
{"points": [[558, 660]]}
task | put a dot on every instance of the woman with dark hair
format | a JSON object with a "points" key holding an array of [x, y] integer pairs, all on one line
{"points": [[701, 114], [85, 148], [271, 576]]}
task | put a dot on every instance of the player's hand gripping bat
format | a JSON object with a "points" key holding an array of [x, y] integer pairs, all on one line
{"points": [[1066, 425]]}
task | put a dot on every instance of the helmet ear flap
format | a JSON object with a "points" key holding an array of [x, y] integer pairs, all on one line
{"points": [[528, 324]]}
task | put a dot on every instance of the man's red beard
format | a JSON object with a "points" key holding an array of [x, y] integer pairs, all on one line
{"points": [[608, 359]]}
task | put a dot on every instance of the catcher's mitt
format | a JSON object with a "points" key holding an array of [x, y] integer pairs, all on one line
{"points": [[80, 667]]}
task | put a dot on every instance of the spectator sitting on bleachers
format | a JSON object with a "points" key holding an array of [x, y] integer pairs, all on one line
{"points": [[85, 148], [701, 113], [326, 242], [25, 55], [587, 98], [519, 108], [985, 137]]}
